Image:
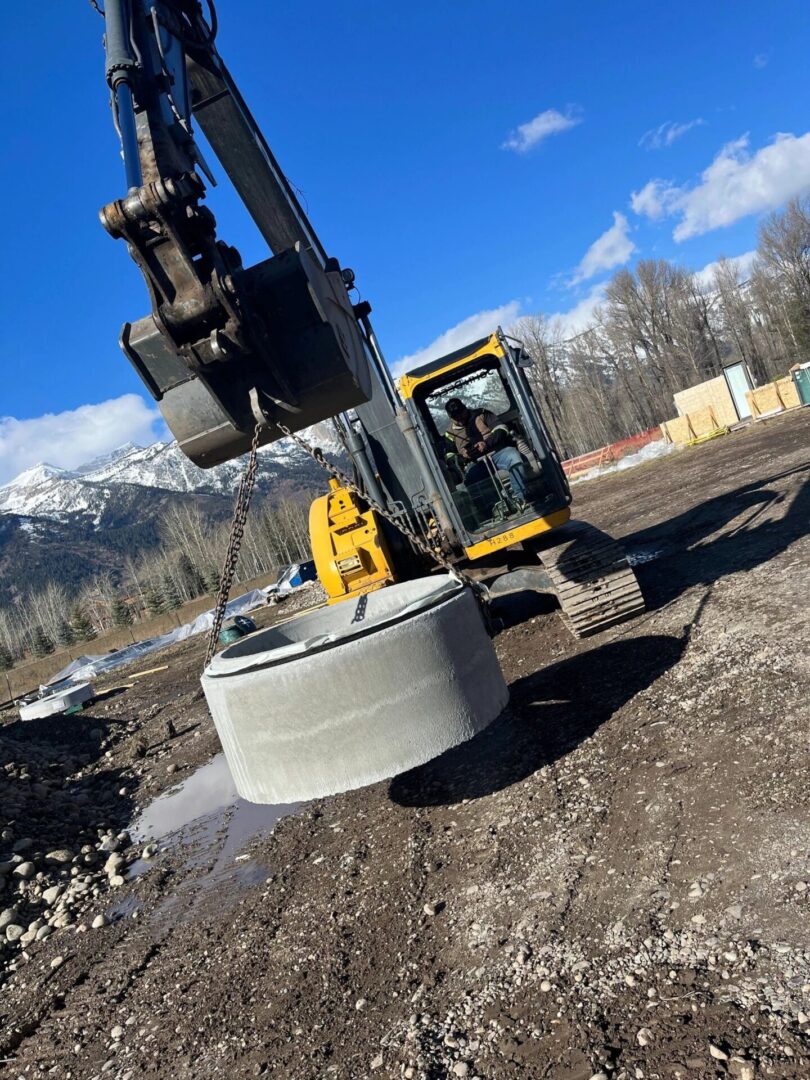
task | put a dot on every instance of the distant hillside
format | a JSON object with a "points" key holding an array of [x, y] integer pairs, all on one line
{"points": [[71, 551], [69, 525]]}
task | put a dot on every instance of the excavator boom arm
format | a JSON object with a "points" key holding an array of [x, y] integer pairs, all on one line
{"points": [[242, 150], [225, 347]]}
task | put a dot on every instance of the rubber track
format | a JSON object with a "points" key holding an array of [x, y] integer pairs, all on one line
{"points": [[594, 585]]}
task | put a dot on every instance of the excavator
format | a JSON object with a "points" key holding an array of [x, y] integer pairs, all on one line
{"points": [[237, 357]]}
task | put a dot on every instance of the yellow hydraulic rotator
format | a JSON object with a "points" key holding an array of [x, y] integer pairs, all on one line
{"points": [[351, 556]]}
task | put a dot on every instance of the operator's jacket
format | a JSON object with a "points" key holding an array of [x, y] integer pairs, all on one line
{"points": [[480, 426]]}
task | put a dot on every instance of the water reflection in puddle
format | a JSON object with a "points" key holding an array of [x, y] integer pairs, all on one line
{"points": [[124, 908], [207, 790], [205, 815]]}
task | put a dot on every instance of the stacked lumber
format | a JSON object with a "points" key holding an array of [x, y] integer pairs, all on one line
{"points": [[694, 427], [713, 394], [773, 398]]}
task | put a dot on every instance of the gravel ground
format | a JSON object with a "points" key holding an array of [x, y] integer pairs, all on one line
{"points": [[611, 882]]}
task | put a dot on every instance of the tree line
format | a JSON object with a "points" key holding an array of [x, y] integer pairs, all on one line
{"points": [[661, 328], [185, 565]]}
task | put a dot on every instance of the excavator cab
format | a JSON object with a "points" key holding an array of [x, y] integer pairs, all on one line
{"points": [[490, 506]]}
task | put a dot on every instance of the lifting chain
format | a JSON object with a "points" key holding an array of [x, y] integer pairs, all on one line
{"points": [[416, 540], [240, 512], [240, 516]]}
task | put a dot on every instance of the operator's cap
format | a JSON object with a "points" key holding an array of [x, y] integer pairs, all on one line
{"points": [[454, 406]]}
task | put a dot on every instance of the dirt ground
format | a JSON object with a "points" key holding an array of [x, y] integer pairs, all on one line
{"points": [[612, 881]]}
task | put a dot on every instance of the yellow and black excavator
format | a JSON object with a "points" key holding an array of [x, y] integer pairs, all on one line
{"points": [[237, 356]]}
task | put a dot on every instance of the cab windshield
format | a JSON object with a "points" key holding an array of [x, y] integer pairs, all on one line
{"points": [[487, 460]]}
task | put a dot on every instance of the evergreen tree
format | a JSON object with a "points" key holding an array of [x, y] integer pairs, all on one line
{"points": [[171, 597], [65, 634], [82, 626], [153, 598], [192, 577], [6, 663], [121, 612], [211, 579], [41, 644]]}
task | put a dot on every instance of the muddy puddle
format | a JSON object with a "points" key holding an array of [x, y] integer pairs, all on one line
{"points": [[124, 909], [204, 822]]}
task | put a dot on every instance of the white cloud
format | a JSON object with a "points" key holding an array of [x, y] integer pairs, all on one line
{"points": [[71, 438], [550, 122], [736, 184], [666, 134], [743, 263], [469, 329], [611, 249], [761, 60], [655, 200], [651, 201], [580, 316]]}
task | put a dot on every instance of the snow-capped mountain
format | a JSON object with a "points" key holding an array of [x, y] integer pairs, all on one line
{"points": [[105, 459], [36, 476], [45, 491]]}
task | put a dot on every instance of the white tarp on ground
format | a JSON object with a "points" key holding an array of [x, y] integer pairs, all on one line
{"points": [[86, 667], [655, 449]]}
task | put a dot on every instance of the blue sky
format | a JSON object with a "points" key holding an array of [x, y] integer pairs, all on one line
{"points": [[410, 131]]}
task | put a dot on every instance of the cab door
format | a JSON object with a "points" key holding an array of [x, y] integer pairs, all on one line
{"points": [[513, 367]]}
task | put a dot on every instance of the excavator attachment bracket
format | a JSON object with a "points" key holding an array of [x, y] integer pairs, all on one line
{"points": [[351, 556]]}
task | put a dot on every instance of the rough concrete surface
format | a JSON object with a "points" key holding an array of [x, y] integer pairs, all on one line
{"points": [[355, 693], [612, 881]]}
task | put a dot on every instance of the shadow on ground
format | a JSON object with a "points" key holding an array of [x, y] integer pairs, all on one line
{"points": [[519, 607], [552, 711], [687, 558]]}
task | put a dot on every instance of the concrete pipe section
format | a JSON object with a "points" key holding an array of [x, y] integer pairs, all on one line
{"points": [[354, 693], [58, 702]]}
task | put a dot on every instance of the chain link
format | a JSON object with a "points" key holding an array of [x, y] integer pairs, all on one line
{"points": [[240, 516], [240, 512], [416, 539]]}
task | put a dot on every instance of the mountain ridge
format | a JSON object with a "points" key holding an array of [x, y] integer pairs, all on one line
{"points": [[70, 524], [46, 491]]}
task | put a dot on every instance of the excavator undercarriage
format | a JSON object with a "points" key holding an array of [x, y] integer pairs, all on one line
{"points": [[591, 579]]}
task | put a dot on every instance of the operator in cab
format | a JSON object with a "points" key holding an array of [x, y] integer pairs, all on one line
{"points": [[474, 434]]}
